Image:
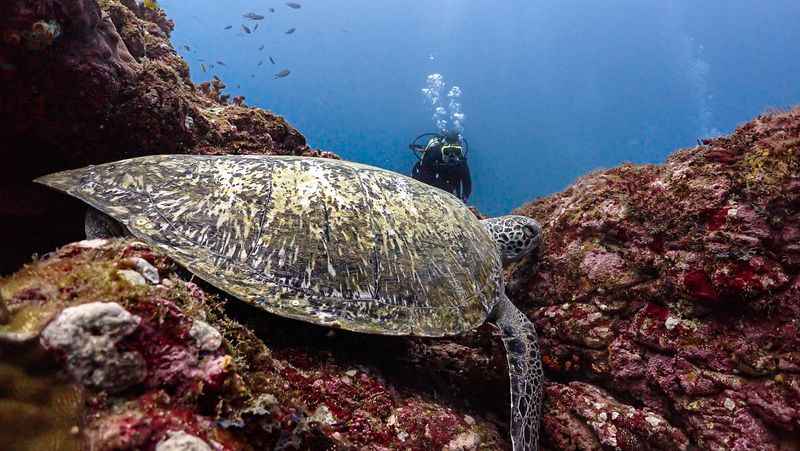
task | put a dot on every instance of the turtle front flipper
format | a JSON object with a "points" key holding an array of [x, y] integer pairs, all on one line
{"points": [[525, 371]]}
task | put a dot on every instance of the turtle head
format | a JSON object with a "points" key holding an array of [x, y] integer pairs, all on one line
{"points": [[516, 236]]}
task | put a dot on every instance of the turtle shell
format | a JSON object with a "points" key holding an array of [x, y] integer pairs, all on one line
{"points": [[319, 240]]}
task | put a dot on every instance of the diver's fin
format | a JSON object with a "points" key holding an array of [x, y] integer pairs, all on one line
{"points": [[525, 372]]}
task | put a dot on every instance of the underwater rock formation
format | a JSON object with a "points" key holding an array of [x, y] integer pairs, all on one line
{"points": [[87, 335], [85, 83], [160, 365], [671, 292], [666, 299], [666, 296]]}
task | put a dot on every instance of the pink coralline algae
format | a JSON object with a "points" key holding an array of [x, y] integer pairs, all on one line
{"points": [[585, 417], [361, 407], [673, 292]]}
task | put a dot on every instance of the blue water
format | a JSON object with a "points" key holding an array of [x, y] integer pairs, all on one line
{"points": [[550, 89]]}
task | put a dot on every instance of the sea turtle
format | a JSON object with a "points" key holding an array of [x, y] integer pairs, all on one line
{"points": [[329, 242]]}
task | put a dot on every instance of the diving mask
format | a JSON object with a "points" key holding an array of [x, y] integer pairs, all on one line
{"points": [[450, 152]]}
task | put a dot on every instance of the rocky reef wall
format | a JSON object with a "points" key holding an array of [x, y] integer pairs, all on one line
{"points": [[86, 82], [671, 292], [665, 296]]}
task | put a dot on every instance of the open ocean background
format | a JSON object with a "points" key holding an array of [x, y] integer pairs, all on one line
{"points": [[549, 90]]}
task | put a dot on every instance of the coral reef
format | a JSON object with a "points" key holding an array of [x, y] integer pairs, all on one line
{"points": [[161, 365], [672, 292], [95, 82], [666, 297]]}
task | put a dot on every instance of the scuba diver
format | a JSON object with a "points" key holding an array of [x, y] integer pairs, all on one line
{"points": [[443, 162]]}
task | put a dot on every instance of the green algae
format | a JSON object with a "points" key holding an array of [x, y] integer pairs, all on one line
{"points": [[25, 321]]}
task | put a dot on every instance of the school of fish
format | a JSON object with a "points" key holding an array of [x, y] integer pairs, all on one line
{"points": [[251, 16]]}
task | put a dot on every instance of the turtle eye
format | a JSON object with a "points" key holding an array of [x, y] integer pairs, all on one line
{"points": [[528, 231]]}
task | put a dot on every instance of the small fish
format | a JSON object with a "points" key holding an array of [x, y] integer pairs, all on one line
{"points": [[229, 27], [246, 30], [215, 77], [203, 66], [293, 5], [252, 75], [272, 10], [282, 74], [262, 47], [271, 60], [290, 30], [221, 63], [200, 59], [186, 47], [151, 4], [260, 63], [253, 16], [255, 28]]}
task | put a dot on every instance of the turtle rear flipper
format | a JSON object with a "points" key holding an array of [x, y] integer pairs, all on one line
{"points": [[525, 371], [100, 225]]}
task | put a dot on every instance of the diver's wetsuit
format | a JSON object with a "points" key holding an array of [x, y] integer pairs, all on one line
{"points": [[452, 176]]}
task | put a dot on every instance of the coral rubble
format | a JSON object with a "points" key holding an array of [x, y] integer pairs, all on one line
{"points": [[673, 289]]}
